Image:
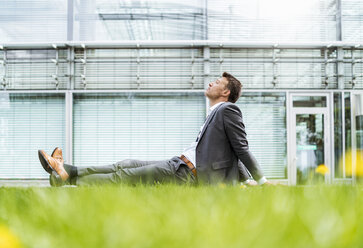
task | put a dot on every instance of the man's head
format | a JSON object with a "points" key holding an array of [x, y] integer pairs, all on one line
{"points": [[226, 88]]}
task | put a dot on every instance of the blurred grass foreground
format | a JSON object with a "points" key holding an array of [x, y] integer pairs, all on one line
{"points": [[182, 216]]}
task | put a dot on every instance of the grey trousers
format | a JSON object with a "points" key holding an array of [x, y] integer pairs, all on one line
{"points": [[136, 171]]}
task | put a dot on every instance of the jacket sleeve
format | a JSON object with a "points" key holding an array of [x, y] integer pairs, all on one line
{"points": [[243, 172], [237, 137]]}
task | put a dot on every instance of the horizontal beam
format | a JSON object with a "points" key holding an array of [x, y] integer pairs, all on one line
{"points": [[180, 44], [304, 91], [148, 16], [97, 91]]}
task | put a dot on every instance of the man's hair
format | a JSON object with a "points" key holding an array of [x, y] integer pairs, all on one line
{"points": [[234, 86]]}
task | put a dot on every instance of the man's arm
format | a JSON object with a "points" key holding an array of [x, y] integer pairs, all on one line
{"points": [[244, 175], [236, 134]]}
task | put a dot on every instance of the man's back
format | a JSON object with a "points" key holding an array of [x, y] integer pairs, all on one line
{"points": [[222, 142]]}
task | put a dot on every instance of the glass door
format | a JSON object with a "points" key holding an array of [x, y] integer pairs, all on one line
{"points": [[309, 139], [310, 155]]}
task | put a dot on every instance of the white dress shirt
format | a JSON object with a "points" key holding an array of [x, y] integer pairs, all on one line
{"points": [[190, 152]]}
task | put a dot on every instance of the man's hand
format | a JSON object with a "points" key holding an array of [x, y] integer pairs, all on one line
{"points": [[249, 183]]}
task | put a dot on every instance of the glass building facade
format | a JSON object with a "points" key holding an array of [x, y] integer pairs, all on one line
{"points": [[110, 80]]}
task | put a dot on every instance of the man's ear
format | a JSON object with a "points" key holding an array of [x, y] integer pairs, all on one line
{"points": [[226, 92]]}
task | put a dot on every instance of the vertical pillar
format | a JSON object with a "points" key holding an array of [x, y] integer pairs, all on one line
{"points": [[340, 68], [206, 72], [69, 127], [70, 61], [338, 18], [70, 19], [205, 22], [3, 81]]}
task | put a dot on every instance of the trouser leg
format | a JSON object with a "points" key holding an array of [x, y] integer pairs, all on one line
{"points": [[128, 163], [134, 172]]}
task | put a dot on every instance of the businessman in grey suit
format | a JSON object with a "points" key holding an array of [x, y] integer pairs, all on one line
{"points": [[220, 154]]}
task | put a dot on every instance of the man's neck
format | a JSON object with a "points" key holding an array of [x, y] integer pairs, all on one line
{"points": [[212, 103]]}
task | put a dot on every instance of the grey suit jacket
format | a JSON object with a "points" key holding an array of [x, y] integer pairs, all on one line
{"points": [[222, 144]]}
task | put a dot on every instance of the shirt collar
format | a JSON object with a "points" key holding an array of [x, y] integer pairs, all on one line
{"points": [[214, 106]]}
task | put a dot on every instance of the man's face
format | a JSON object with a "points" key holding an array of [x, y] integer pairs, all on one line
{"points": [[217, 88]]}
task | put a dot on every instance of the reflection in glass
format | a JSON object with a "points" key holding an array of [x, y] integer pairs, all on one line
{"points": [[354, 154], [33, 21], [309, 101], [359, 135], [310, 148], [205, 19], [29, 122], [143, 126], [348, 132], [338, 136], [264, 115], [140, 20], [265, 20]]}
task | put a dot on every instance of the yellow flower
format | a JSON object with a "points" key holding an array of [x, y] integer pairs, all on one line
{"points": [[358, 163], [222, 185], [242, 186], [8, 239], [322, 169]]}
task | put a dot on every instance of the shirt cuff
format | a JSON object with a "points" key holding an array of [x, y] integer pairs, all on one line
{"points": [[246, 182], [262, 180]]}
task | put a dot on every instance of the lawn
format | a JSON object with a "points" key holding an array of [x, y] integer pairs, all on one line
{"points": [[183, 216]]}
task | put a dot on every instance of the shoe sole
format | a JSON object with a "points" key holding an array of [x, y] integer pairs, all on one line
{"points": [[44, 162]]}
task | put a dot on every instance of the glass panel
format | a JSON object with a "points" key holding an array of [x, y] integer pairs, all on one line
{"points": [[294, 68], [33, 21], [348, 136], [36, 69], [309, 101], [139, 69], [266, 20], [338, 137], [139, 20], [352, 11], [29, 122], [359, 135], [353, 72], [264, 116], [310, 165], [146, 126], [263, 20]]}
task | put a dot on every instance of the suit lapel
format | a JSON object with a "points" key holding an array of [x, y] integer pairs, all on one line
{"points": [[210, 117]]}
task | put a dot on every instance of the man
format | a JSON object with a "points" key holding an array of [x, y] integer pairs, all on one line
{"points": [[216, 156]]}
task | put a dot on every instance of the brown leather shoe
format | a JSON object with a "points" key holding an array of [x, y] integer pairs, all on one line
{"points": [[57, 154], [56, 164]]}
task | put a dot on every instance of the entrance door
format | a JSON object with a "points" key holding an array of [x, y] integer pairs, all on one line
{"points": [[310, 140]]}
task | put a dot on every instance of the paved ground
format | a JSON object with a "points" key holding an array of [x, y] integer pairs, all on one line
{"points": [[24, 183]]}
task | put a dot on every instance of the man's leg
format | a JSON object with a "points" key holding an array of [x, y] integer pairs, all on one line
{"points": [[159, 171], [128, 163]]}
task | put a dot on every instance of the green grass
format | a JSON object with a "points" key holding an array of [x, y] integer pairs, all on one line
{"points": [[182, 216]]}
